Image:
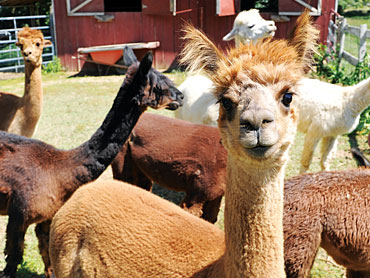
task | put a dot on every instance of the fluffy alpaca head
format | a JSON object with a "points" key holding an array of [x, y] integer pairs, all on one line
{"points": [[157, 90], [31, 42], [254, 85], [250, 26]]}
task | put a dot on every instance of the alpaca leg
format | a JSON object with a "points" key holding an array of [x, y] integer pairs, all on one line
{"points": [[125, 169], [15, 232], [42, 233], [302, 244], [328, 149], [357, 274], [211, 210], [309, 146], [300, 266]]}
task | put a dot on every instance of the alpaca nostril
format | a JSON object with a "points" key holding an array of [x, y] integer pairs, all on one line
{"points": [[248, 125], [255, 120]]}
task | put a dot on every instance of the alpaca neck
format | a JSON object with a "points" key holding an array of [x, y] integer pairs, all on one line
{"points": [[30, 109], [360, 97], [254, 220], [33, 91], [95, 155]]}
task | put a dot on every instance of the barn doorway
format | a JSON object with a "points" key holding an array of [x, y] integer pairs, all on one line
{"points": [[122, 6], [262, 5]]}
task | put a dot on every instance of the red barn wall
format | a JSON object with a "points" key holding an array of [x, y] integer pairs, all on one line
{"points": [[73, 32]]}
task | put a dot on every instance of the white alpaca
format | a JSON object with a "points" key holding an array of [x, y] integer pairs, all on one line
{"points": [[199, 103], [249, 26], [327, 111]]}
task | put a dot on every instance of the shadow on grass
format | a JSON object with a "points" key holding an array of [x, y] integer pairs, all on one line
{"points": [[24, 272], [352, 139], [169, 195]]}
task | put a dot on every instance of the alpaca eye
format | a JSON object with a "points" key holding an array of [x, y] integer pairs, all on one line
{"points": [[287, 99], [227, 104], [38, 44], [251, 26]]}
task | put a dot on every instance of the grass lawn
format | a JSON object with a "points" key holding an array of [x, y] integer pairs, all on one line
{"points": [[75, 107]]}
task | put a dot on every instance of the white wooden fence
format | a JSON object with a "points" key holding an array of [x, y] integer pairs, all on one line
{"points": [[337, 33]]}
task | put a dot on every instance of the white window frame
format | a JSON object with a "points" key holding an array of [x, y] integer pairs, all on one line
{"points": [[314, 11], [73, 11]]}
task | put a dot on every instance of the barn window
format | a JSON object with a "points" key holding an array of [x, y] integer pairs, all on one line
{"points": [[122, 6], [262, 5]]}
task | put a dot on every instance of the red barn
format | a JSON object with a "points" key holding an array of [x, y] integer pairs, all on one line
{"points": [[86, 23]]}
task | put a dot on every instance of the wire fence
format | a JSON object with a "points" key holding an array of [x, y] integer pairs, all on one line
{"points": [[10, 56]]}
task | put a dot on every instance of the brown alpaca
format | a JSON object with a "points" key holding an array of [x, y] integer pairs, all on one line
{"points": [[331, 210], [36, 178], [328, 210], [192, 159], [20, 115], [128, 232]]}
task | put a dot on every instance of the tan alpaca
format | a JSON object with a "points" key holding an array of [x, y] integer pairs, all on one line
{"points": [[111, 229], [20, 115]]}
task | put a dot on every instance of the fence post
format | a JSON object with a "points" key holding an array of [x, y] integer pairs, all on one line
{"points": [[362, 45], [341, 37]]}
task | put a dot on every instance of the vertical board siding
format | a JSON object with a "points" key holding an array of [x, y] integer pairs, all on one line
{"points": [[83, 31]]}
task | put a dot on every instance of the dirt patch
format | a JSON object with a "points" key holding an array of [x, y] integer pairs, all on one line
{"points": [[10, 75]]}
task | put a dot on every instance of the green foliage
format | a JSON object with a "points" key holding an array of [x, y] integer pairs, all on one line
{"points": [[352, 4], [9, 55], [41, 7], [328, 67], [53, 67]]}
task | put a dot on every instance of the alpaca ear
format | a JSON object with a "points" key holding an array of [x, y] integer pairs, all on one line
{"points": [[304, 38], [47, 42], [199, 53], [129, 56], [146, 63]]}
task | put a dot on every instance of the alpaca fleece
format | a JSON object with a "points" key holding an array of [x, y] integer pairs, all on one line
{"points": [[101, 209]]}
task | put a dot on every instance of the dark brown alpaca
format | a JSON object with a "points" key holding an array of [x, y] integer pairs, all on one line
{"points": [[36, 179], [331, 210], [193, 160]]}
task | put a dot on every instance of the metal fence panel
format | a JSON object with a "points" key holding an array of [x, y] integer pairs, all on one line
{"points": [[10, 56]]}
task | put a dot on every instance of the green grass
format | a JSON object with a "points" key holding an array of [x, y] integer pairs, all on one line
{"points": [[75, 107]]}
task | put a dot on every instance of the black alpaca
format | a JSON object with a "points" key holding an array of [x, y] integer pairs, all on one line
{"points": [[36, 179]]}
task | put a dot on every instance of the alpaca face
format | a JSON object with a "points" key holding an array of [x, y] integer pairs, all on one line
{"points": [[31, 42], [250, 26], [156, 90], [257, 117], [163, 92], [257, 121]]}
